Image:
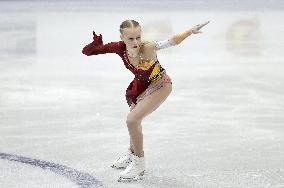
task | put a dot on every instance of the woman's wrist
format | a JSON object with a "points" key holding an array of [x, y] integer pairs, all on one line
{"points": [[189, 32]]}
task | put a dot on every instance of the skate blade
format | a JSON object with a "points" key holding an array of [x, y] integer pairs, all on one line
{"points": [[136, 178]]}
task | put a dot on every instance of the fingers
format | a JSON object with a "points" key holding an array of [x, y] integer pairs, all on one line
{"points": [[205, 23], [97, 37], [202, 25], [198, 27], [94, 33]]}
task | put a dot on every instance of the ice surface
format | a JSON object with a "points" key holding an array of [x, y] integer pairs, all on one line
{"points": [[222, 125]]}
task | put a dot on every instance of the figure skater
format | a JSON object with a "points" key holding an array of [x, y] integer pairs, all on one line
{"points": [[148, 90]]}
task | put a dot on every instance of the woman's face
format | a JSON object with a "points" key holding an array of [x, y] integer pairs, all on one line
{"points": [[132, 37]]}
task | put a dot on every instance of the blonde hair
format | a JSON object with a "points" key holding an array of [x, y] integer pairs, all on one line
{"points": [[128, 24]]}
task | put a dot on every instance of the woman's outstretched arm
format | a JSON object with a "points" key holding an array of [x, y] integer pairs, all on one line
{"points": [[97, 47], [178, 38]]}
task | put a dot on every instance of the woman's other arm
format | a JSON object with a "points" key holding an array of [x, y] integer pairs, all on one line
{"points": [[97, 47]]}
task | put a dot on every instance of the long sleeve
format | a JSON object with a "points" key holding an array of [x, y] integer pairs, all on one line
{"points": [[95, 49]]}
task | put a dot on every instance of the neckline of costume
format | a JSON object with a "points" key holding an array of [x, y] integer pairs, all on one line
{"points": [[128, 61]]}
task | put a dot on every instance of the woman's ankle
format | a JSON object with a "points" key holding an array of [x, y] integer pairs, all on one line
{"points": [[140, 154]]}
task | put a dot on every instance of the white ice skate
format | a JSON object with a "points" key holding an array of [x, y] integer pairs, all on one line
{"points": [[134, 171], [123, 161]]}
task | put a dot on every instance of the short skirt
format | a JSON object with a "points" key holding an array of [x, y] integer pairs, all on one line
{"points": [[155, 86]]}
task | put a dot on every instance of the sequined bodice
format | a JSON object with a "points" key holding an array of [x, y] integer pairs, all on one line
{"points": [[144, 64], [146, 70]]}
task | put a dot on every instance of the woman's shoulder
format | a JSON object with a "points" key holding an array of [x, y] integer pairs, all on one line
{"points": [[148, 45], [148, 50]]}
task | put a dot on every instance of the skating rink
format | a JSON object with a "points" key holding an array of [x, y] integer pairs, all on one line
{"points": [[62, 114]]}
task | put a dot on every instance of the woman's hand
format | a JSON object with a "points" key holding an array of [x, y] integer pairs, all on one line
{"points": [[195, 29], [97, 39]]}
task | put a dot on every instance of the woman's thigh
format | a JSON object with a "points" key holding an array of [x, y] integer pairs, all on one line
{"points": [[150, 103], [132, 106]]}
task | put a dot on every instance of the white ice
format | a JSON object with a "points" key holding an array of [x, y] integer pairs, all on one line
{"points": [[222, 125]]}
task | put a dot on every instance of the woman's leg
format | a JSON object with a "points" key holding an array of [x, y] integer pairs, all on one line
{"points": [[131, 143], [143, 108], [131, 147]]}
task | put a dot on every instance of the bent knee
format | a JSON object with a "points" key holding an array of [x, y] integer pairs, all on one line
{"points": [[130, 120]]}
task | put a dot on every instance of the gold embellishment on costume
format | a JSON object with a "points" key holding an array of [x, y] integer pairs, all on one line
{"points": [[155, 71], [145, 65], [159, 77], [156, 74]]}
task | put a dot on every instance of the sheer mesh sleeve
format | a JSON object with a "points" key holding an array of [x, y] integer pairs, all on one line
{"points": [[163, 44]]}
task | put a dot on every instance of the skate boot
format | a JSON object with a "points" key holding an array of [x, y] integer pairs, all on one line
{"points": [[123, 161], [134, 171]]}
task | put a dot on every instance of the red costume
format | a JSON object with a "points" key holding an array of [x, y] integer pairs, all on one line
{"points": [[145, 74]]}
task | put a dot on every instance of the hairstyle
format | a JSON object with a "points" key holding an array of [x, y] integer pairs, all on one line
{"points": [[128, 24]]}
